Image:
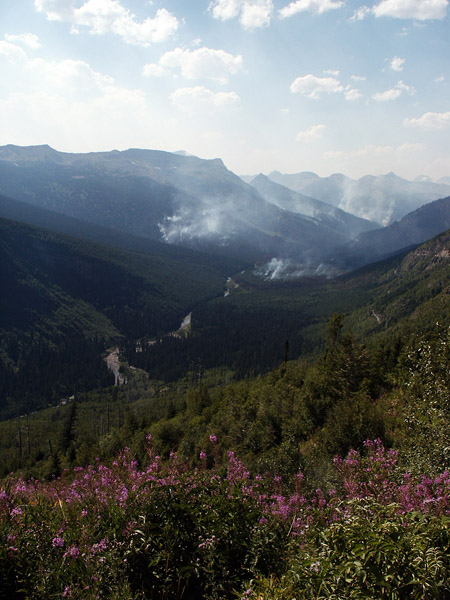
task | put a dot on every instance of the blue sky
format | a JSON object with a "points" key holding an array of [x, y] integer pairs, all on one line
{"points": [[309, 85]]}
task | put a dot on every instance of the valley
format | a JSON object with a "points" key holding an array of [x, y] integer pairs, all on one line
{"points": [[255, 346]]}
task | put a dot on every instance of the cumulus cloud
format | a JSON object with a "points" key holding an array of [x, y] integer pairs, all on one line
{"points": [[12, 52], [253, 14], [311, 86], [154, 70], [205, 63], [352, 93], [310, 135], [314, 6], [361, 13], [67, 75], [194, 98], [394, 93], [429, 121], [75, 74], [421, 10], [27, 39], [397, 63], [109, 16]]}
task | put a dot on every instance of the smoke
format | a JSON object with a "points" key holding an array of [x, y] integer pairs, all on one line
{"points": [[206, 221], [285, 268], [365, 199]]}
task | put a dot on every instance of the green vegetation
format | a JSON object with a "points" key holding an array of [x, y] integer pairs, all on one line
{"points": [[65, 300], [355, 368]]}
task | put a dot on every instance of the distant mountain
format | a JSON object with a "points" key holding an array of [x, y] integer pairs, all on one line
{"points": [[179, 199], [384, 199], [122, 198], [415, 228], [336, 219]]}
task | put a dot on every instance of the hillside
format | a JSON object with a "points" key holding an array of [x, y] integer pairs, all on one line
{"points": [[61, 294], [327, 380], [414, 228], [247, 330]]}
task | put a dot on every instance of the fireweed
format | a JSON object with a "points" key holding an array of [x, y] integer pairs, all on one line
{"points": [[166, 531]]}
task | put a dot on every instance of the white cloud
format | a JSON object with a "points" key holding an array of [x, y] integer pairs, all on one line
{"points": [[358, 77], [387, 95], [394, 93], [397, 63], [361, 13], [440, 79], [421, 10], [332, 72], [154, 70], [55, 10], [310, 135], [193, 98], [13, 53], [28, 39], [74, 74], [67, 75], [206, 63], [312, 86], [253, 14], [352, 93], [315, 6], [109, 16], [429, 120]]}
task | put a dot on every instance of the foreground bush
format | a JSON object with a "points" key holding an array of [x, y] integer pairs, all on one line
{"points": [[168, 532]]}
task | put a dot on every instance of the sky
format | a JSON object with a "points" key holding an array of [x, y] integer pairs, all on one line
{"points": [[309, 85]]}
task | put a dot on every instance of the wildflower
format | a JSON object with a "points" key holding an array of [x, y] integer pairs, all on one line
{"points": [[213, 439], [57, 542], [16, 511], [73, 552], [202, 455]]}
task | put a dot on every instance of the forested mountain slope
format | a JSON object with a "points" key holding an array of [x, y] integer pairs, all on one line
{"points": [[61, 294], [414, 228], [249, 329]]}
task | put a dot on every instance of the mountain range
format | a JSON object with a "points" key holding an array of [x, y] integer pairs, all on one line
{"points": [[178, 200], [383, 198]]}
